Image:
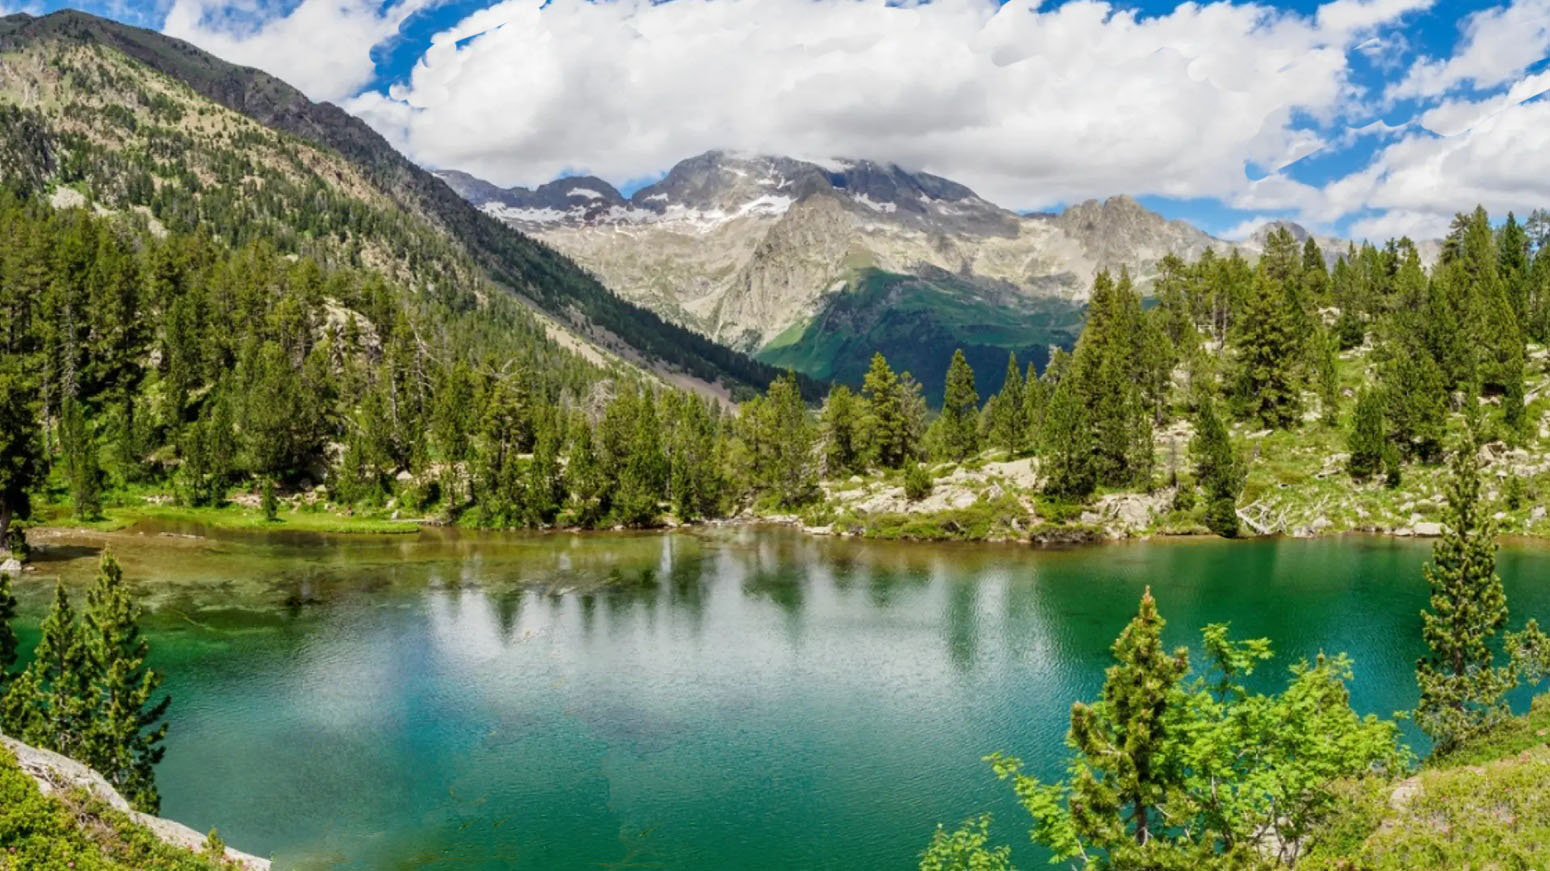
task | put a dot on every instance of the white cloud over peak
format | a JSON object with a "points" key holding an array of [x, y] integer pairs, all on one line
{"points": [[322, 47], [1029, 106], [1032, 104]]}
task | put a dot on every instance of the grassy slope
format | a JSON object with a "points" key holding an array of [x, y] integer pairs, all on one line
{"points": [[1484, 807], [1296, 483], [74, 831]]}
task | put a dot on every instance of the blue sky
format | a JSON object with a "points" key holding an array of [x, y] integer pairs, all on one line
{"points": [[1359, 117]]}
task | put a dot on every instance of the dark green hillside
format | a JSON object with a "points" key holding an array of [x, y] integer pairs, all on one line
{"points": [[917, 323], [379, 204]]}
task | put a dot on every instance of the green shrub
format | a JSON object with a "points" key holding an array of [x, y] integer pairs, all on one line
{"points": [[917, 483], [1057, 510], [72, 830], [1184, 497], [1514, 493], [269, 502]]}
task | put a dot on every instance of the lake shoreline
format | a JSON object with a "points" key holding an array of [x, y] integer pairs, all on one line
{"points": [[1110, 519]]}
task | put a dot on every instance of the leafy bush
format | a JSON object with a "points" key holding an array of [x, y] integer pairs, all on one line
{"points": [[1057, 510], [917, 483]]}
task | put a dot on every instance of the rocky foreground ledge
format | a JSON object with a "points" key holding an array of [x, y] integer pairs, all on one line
{"points": [[55, 773]]}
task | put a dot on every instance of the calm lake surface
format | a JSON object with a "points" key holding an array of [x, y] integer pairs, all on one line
{"points": [[723, 699]]}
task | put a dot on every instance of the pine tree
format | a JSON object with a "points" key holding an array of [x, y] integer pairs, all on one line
{"points": [[543, 485], [1367, 438], [1315, 272], [1007, 429], [8, 643], [693, 482], [126, 729], [22, 464], [782, 439], [1120, 775], [1156, 358], [1327, 374], [1462, 690], [1268, 349], [643, 476], [1065, 444], [21, 709], [1512, 264], [960, 411], [1217, 469], [268, 503], [889, 436], [841, 428], [80, 461], [61, 669], [585, 480], [1035, 399]]}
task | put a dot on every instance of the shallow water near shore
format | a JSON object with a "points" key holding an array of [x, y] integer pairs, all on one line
{"points": [[722, 698]]}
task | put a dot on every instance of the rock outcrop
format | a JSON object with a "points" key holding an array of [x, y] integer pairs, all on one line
{"points": [[56, 773]]}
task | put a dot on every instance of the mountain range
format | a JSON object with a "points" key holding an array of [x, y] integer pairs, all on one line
{"points": [[729, 269], [813, 264], [134, 121]]}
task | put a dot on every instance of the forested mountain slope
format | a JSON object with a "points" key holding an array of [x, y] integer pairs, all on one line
{"points": [[138, 120], [194, 302]]}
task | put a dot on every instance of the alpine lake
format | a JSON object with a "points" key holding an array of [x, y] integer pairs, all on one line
{"points": [[723, 698]]}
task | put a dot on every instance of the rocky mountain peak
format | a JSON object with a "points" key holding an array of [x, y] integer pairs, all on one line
{"points": [[578, 198], [718, 186], [1119, 231], [1298, 231]]}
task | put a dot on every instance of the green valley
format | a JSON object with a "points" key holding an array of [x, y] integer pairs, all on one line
{"points": [[922, 319]]}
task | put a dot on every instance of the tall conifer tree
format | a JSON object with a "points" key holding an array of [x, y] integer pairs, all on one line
{"points": [[1217, 468], [1121, 775], [62, 671], [1268, 388], [891, 443], [960, 410], [1462, 689], [1007, 429], [123, 741]]}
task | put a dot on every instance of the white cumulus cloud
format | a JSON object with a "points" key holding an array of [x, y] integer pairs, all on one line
{"points": [[322, 47], [1498, 44], [1028, 105]]}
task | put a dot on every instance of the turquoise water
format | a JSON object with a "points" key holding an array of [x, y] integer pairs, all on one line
{"points": [[712, 700]]}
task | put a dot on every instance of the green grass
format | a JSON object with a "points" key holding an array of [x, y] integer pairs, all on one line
{"points": [[1483, 807], [232, 517], [75, 832], [999, 519], [1510, 738]]}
